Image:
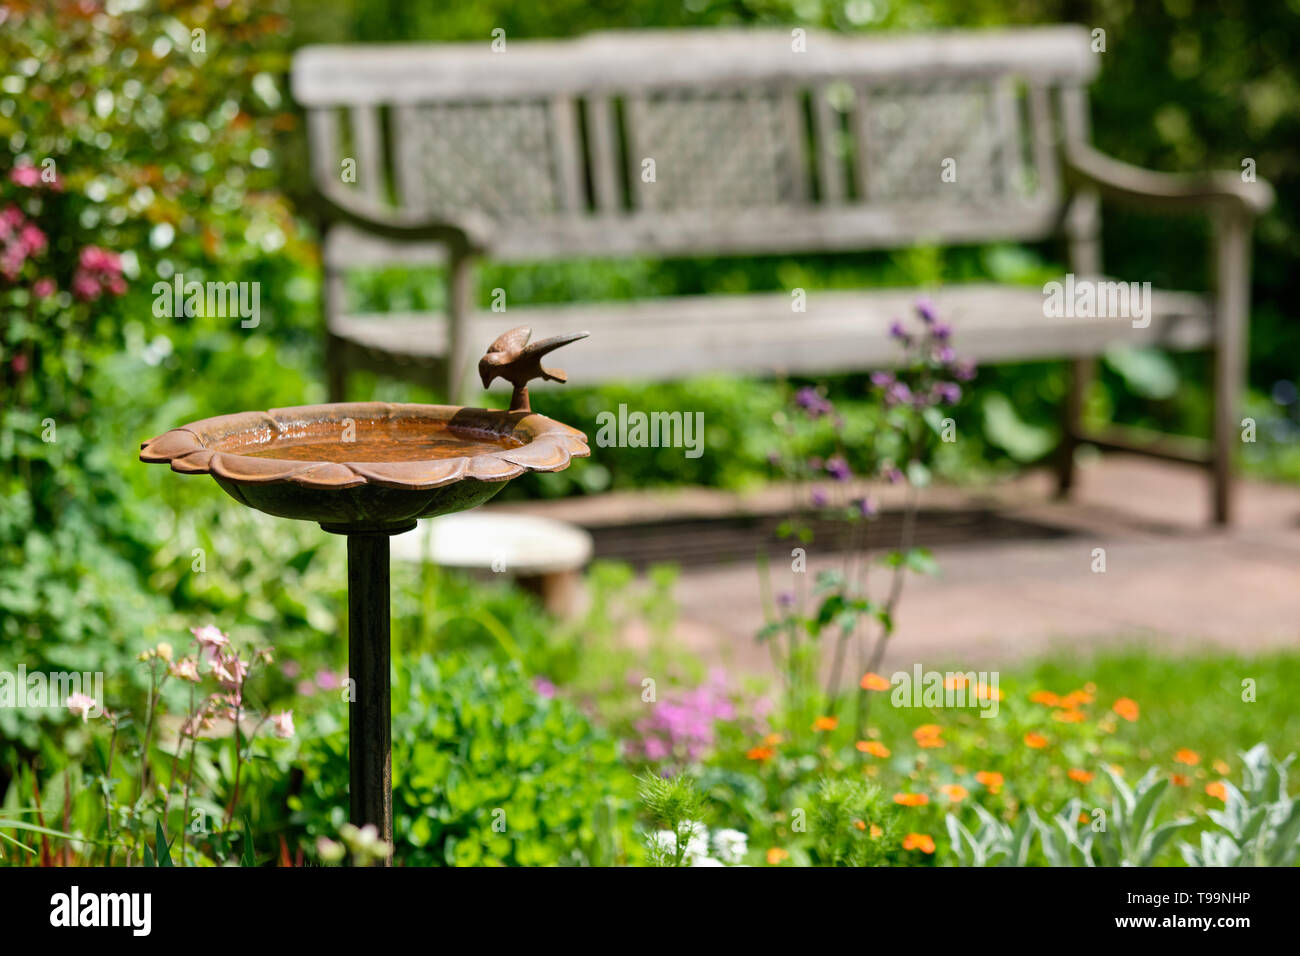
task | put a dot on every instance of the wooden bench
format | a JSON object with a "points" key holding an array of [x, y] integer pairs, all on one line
{"points": [[453, 153]]}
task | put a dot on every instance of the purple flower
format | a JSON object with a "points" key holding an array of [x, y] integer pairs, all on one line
{"points": [[866, 507], [898, 394], [925, 309], [897, 331], [964, 370], [947, 393], [892, 474], [543, 687], [819, 498], [785, 600], [944, 354], [812, 402], [882, 379], [941, 331], [838, 469]]}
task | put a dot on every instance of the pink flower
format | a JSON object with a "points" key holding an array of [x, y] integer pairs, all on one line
{"points": [[229, 671], [80, 705], [210, 637], [32, 238], [43, 288], [328, 680], [26, 176], [186, 669], [283, 723]]}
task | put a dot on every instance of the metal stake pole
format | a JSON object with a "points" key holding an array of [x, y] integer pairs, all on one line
{"points": [[369, 661]]}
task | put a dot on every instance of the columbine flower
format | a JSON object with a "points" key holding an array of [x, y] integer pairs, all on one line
{"points": [[210, 637], [186, 669], [283, 723], [80, 705], [229, 671]]}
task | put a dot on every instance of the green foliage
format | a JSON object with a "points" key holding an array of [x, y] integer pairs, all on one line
{"points": [[852, 823], [994, 843], [676, 805], [485, 771], [1131, 835], [1259, 824]]}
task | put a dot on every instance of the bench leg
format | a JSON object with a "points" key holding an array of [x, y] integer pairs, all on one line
{"points": [[1079, 373], [1232, 308]]}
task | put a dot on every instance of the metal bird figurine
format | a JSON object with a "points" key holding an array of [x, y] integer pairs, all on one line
{"points": [[512, 358]]}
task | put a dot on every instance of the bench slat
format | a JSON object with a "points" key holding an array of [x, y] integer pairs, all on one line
{"points": [[678, 337]]}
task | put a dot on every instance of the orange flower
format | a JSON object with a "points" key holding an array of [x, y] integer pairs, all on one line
{"points": [[772, 739], [759, 753], [930, 743], [775, 855], [876, 832], [1217, 790], [826, 723], [927, 730], [1080, 776], [1035, 741], [872, 681], [860, 824], [1189, 757], [918, 841], [1178, 780], [1126, 708], [954, 792], [985, 692], [1068, 716], [956, 682], [1084, 818], [1221, 767], [911, 799], [873, 747], [1074, 698], [989, 778], [1044, 697]]}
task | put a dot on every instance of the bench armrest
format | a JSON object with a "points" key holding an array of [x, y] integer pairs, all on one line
{"points": [[469, 234], [1177, 192]]}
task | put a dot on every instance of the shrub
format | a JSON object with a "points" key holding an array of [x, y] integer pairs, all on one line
{"points": [[486, 770]]}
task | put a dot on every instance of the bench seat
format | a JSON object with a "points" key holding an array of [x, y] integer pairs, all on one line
{"points": [[672, 338]]}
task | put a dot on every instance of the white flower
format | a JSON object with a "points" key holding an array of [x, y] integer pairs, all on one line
{"points": [[708, 861], [697, 842], [730, 845]]}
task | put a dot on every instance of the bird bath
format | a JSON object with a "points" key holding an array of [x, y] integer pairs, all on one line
{"points": [[368, 470]]}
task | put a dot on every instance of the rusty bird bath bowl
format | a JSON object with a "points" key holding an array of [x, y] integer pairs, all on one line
{"points": [[368, 470]]}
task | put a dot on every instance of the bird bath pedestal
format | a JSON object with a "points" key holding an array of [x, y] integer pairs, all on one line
{"points": [[368, 470]]}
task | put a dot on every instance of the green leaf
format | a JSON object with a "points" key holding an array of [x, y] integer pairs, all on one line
{"points": [[1004, 428], [160, 842], [1148, 373], [249, 856]]}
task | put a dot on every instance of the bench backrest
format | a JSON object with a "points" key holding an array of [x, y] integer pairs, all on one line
{"points": [[704, 141]]}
